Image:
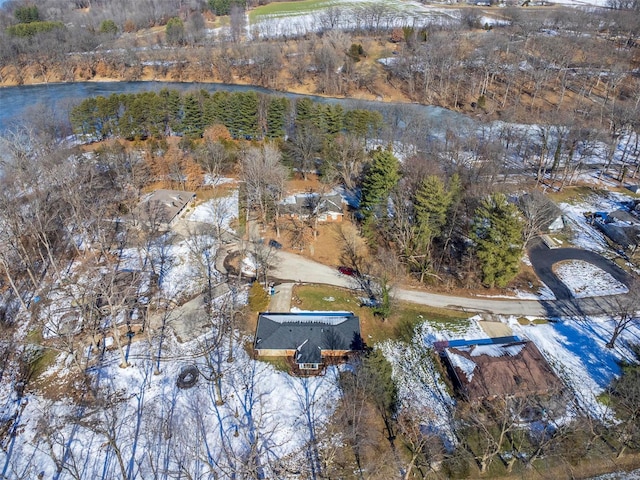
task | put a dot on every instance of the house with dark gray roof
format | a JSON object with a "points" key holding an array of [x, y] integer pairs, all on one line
{"points": [[325, 208], [309, 339]]}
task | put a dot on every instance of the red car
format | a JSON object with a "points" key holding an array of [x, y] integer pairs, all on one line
{"points": [[347, 271]]}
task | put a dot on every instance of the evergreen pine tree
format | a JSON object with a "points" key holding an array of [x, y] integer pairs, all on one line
{"points": [[276, 113], [192, 124], [248, 114], [432, 204], [383, 175], [304, 110], [334, 117], [497, 232], [219, 104]]}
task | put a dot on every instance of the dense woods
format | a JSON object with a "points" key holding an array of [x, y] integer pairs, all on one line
{"points": [[246, 115]]}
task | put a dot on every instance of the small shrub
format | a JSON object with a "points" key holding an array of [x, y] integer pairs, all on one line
{"points": [[129, 26], [108, 27], [33, 28], [356, 52], [27, 14], [175, 31]]}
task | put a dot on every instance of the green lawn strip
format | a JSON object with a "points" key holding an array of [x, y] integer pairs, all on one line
{"points": [[283, 9], [572, 194], [399, 326], [279, 363], [40, 357]]}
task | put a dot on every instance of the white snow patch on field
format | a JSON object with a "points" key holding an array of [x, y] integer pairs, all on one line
{"points": [[577, 352], [216, 181], [544, 293], [266, 416], [421, 389], [585, 235], [221, 211], [584, 279], [300, 22], [178, 264]]}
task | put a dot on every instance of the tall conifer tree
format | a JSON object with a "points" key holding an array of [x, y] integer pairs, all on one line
{"points": [[497, 232]]}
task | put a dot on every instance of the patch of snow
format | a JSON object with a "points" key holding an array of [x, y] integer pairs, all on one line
{"points": [[216, 181], [585, 235], [493, 350], [248, 266], [221, 211], [153, 422], [421, 389], [463, 363], [584, 279], [577, 352]]}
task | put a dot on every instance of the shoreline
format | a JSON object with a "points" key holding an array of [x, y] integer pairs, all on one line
{"points": [[364, 97]]}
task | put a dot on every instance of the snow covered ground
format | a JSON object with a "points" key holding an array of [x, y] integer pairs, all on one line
{"points": [[296, 22], [421, 389], [220, 211], [584, 235], [181, 265], [343, 14], [146, 423], [586, 280], [576, 351]]}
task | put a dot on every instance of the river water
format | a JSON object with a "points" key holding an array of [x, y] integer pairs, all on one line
{"points": [[15, 102]]}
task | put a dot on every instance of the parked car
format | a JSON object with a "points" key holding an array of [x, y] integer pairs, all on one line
{"points": [[275, 244], [347, 271]]}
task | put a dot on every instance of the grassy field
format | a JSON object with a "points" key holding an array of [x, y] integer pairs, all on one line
{"points": [[303, 7], [399, 326], [572, 194], [281, 9]]}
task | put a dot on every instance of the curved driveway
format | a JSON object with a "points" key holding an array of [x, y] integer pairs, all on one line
{"points": [[291, 267], [543, 258]]}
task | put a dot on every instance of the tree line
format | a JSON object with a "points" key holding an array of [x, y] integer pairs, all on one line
{"points": [[533, 64], [246, 115]]}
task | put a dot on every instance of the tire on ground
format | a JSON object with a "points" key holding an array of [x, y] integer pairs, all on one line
{"points": [[188, 377]]}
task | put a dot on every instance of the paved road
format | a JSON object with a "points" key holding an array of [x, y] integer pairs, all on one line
{"points": [[291, 267]]}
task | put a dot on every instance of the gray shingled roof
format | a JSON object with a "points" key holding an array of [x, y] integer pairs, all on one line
{"points": [[305, 203], [162, 205], [308, 333]]}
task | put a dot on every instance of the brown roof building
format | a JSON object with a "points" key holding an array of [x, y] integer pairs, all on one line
{"points": [[501, 367]]}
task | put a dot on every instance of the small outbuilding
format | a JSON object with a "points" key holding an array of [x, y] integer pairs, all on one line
{"points": [[310, 339]]}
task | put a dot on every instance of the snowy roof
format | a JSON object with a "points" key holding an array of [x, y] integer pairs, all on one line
{"points": [[162, 205], [512, 368], [308, 333]]}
